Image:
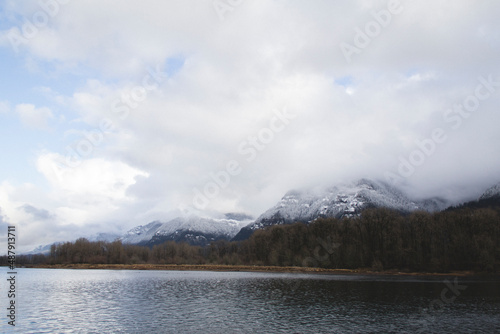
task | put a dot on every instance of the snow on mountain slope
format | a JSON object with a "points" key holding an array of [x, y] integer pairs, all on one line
{"points": [[345, 200], [340, 201], [226, 227], [107, 237], [192, 229], [491, 192], [42, 249], [141, 233]]}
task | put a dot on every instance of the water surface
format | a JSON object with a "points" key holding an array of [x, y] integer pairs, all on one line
{"points": [[113, 301]]}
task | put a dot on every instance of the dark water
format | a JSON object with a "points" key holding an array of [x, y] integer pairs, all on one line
{"points": [[107, 301]]}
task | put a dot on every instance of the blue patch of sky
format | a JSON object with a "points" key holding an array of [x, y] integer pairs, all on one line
{"points": [[18, 149], [344, 81], [412, 71], [20, 144], [18, 83], [174, 65], [8, 19]]}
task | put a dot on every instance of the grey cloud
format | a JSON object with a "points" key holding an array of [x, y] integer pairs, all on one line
{"points": [[39, 214]]}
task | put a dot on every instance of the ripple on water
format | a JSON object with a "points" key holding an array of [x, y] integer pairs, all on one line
{"points": [[107, 301]]}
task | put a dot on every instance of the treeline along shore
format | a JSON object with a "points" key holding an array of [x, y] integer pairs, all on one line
{"points": [[466, 240]]}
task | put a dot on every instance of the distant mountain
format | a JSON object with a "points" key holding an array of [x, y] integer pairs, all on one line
{"points": [[42, 249], [491, 192], [45, 249], [141, 234], [347, 200], [193, 230], [108, 237], [489, 199]]}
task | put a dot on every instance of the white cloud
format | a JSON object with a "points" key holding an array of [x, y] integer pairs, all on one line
{"points": [[32, 117], [91, 182]]}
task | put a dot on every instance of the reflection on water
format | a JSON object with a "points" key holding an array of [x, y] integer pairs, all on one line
{"points": [[109, 301]]}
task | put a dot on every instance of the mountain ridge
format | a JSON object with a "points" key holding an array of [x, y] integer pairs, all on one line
{"points": [[491, 192], [192, 229], [343, 200]]}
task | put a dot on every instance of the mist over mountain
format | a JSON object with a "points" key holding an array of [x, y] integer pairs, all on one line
{"points": [[490, 198], [344, 200], [492, 192], [307, 205]]}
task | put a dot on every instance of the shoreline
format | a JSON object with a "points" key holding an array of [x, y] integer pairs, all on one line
{"points": [[250, 268]]}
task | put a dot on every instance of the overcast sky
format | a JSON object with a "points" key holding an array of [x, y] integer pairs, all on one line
{"points": [[117, 113]]}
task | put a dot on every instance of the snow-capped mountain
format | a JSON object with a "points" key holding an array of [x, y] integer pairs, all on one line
{"points": [[489, 199], [45, 249], [142, 233], [345, 200], [194, 230], [107, 237], [42, 249], [491, 192]]}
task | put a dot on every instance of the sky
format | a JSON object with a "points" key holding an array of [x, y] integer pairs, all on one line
{"points": [[117, 113]]}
